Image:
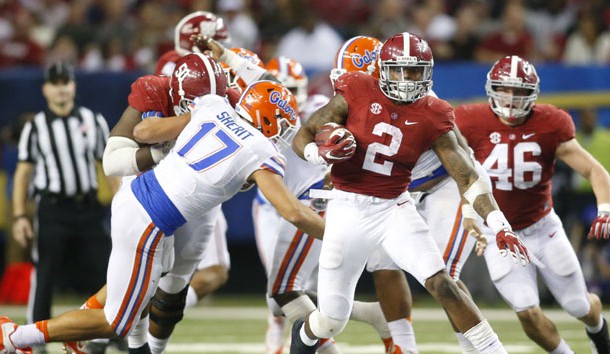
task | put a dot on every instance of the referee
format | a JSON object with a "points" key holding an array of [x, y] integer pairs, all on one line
{"points": [[58, 151]]}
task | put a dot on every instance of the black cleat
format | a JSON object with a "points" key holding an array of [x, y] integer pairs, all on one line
{"points": [[297, 346], [601, 341], [145, 349]]}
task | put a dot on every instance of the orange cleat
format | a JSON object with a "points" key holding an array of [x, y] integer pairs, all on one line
{"points": [[388, 343], [75, 347], [7, 327]]}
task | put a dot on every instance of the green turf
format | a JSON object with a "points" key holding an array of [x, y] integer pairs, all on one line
{"points": [[232, 325]]}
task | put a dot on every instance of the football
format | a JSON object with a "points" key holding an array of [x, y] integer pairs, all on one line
{"points": [[324, 134]]}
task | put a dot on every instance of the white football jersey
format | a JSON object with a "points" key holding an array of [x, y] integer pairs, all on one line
{"points": [[213, 157], [425, 165]]}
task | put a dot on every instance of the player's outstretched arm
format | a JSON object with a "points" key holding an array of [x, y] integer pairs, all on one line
{"points": [[245, 69], [155, 130], [477, 193], [581, 161], [289, 207], [335, 111]]}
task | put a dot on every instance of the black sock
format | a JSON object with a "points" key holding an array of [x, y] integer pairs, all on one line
{"points": [[145, 349], [601, 339]]}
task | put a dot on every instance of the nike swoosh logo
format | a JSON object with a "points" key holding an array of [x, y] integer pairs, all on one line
{"points": [[410, 123], [552, 235], [527, 136], [405, 202]]}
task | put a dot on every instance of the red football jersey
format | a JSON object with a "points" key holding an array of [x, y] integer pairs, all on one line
{"points": [[390, 136], [520, 160], [151, 93], [166, 63]]}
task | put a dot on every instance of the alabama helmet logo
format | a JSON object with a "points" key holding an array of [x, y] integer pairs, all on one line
{"points": [[181, 74]]}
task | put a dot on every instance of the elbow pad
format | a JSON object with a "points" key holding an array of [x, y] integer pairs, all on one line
{"points": [[120, 157]]}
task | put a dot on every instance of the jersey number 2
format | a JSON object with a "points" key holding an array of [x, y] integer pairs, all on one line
{"points": [[200, 159], [499, 158], [385, 167]]}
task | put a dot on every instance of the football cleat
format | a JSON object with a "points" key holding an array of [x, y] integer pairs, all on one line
{"points": [[297, 346], [75, 347], [7, 327], [388, 343], [600, 341]]}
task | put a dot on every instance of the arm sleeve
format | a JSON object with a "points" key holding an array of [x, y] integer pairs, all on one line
{"points": [[248, 71]]}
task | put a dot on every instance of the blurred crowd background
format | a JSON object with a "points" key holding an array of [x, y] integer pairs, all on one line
{"points": [[131, 34], [118, 40]]}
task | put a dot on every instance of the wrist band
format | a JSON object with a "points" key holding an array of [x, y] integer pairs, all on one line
{"points": [[20, 216], [468, 211], [603, 208], [497, 221]]}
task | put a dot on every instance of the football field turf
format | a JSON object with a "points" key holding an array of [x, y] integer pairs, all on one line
{"points": [[222, 326]]}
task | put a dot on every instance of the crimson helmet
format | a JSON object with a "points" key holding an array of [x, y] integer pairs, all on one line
{"points": [[272, 109], [402, 56], [195, 75], [199, 22], [357, 54], [515, 72], [292, 75], [234, 80]]}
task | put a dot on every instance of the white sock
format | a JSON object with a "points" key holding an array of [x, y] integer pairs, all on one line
{"points": [[370, 312], [157, 346], [403, 335], [467, 347], [562, 348], [598, 327], [191, 297], [139, 334], [27, 336], [484, 339], [305, 338]]}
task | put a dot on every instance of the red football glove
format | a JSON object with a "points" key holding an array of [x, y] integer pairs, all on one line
{"points": [[341, 146], [508, 242], [601, 226]]}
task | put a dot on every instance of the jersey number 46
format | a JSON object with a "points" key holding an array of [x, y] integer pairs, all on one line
{"points": [[524, 174]]}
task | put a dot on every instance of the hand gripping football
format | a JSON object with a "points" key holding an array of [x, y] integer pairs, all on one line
{"points": [[323, 135], [335, 143]]}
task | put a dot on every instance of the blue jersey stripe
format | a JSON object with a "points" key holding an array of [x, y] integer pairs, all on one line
{"points": [[157, 204]]}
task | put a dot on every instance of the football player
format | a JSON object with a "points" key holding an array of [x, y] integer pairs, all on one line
{"points": [[370, 205], [517, 142], [213, 270], [214, 143], [288, 282]]}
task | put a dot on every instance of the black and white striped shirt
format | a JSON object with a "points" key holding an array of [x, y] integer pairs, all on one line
{"points": [[64, 150]]}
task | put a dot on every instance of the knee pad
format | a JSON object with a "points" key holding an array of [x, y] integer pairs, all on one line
{"points": [[167, 309], [577, 306], [323, 326]]}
